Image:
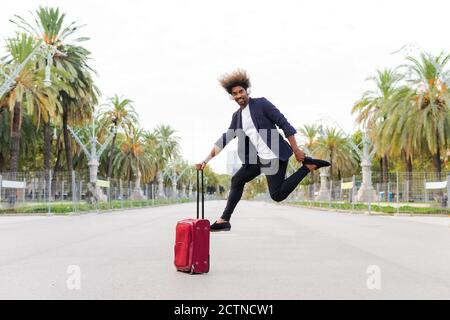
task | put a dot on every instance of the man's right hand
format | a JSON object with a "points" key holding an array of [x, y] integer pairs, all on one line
{"points": [[200, 166]]}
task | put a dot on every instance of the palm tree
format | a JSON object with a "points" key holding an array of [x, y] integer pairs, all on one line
{"points": [[395, 135], [369, 109], [186, 175], [78, 107], [78, 95], [150, 140], [311, 134], [28, 93], [176, 173], [333, 145], [4, 137], [167, 146], [429, 104], [30, 158], [118, 114], [356, 139], [132, 160]]}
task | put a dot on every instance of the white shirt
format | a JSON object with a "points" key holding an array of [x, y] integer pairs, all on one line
{"points": [[249, 128]]}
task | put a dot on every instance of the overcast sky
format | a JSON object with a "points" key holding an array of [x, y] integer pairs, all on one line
{"points": [[310, 59]]}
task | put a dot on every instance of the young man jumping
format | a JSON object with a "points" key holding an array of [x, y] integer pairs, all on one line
{"points": [[261, 148]]}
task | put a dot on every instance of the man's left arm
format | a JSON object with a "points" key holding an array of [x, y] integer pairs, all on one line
{"points": [[289, 131], [278, 118]]}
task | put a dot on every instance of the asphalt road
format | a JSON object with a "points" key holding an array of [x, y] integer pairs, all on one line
{"points": [[272, 252]]}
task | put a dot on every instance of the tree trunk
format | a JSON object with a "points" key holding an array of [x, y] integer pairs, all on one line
{"points": [[47, 151], [437, 164], [68, 148], [111, 152], [409, 180], [2, 162], [385, 168], [58, 154], [15, 139], [67, 145], [384, 174], [437, 158], [15, 149], [409, 167], [331, 168], [383, 187], [47, 147]]}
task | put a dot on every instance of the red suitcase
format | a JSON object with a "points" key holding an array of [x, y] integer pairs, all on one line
{"points": [[192, 240]]}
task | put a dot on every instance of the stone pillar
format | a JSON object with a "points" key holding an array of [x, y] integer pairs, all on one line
{"points": [[160, 185], [183, 191], [174, 189], [366, 193], [93, 170], [324, 192], [96, 193], [137, 192]]}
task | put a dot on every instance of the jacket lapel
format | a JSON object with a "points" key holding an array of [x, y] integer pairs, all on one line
{"points": [[239, 119], [253, 111], [251, 105]]}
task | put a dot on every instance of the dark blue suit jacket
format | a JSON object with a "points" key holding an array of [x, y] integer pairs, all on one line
{"points": [[266, 117]]}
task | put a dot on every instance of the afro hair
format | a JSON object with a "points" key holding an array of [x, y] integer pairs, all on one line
{"points": [[238, 77]]}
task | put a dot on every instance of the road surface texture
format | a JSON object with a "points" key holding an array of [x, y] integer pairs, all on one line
{"points": [[272, 252]]}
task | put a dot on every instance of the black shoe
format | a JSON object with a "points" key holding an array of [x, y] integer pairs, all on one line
{"points": [[319, 163], [224, 226]]}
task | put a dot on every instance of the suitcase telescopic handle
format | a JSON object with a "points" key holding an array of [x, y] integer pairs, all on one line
{"points": [[198, 195]]}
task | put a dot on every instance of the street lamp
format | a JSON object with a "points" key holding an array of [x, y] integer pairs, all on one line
{"points": [[41, 49], [93, 156], [366, 193]]}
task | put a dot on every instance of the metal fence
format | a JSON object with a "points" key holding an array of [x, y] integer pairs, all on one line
{"points": [[62, 192], [417, 192], [400, 192]]}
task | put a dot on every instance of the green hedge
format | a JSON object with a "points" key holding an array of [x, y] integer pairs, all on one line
{"points": [[66, 208], [373, 207]]}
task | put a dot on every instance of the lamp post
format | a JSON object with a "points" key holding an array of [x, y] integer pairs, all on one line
{"points": [[9, 78], [41, 48], [93, 156], [137, 191], [366, 193], [191, 184], [324, 191], [171, 173], [161, 185]]}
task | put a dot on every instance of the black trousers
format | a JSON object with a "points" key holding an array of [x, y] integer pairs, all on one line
{"points": [[279, 186]]}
